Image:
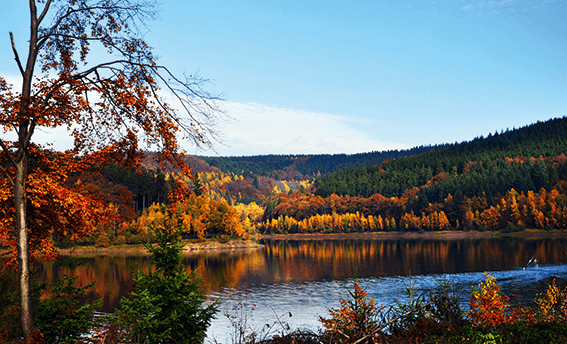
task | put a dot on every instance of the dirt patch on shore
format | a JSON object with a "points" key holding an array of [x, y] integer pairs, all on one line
{"points": [[216, 246], [189, 248]]}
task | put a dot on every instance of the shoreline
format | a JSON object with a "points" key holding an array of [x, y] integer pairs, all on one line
{"points": [[252, 244], [437, 235], [189, 248]]}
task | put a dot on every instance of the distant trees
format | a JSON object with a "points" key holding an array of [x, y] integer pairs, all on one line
{"points": [[300, 213]]}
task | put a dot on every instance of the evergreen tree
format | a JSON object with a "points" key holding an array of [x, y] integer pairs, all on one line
{"points": [[167, 304]]}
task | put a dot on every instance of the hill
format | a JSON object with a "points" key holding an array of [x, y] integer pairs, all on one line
{"points": [[508, 180], [493, 164], [307, 165]]}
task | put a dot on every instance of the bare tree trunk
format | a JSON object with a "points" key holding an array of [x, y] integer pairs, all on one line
{"points": [[26, 128], [24, 273]]}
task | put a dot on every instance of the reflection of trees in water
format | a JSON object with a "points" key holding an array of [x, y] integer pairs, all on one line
{"points": [[316, 260], [325, 259]]}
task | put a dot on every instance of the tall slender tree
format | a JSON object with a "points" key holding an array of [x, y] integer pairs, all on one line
{"points": [[114, 105]]}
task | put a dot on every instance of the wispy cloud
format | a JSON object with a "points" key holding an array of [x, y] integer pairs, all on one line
{"points": [[262, 129]]}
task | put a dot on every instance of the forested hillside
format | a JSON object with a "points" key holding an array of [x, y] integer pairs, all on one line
{"points": [[308, 165], [506, 181], [488, 165], [509, 180]]}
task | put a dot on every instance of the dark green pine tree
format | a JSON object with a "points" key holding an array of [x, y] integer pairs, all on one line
{"points": [[167, 304]]}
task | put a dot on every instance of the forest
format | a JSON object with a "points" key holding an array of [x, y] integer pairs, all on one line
{"points": [[507, 181]]}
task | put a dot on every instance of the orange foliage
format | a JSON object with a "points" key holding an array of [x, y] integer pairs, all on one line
{"points": [[199, 216], [490, 308], [54, 207], [553, 304], [355, 318]]}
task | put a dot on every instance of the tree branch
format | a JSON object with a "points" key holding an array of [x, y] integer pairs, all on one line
{"points": [[8, 175], [8, 153], [44, 12], [16, 56]]}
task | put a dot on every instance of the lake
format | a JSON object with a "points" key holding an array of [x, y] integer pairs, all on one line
{"points": [[306, 277]]}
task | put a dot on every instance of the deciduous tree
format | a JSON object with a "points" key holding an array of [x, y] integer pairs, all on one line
{"points": [[113, 105]]}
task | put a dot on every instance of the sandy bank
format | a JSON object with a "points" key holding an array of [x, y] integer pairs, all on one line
{"points": [[189, 248]]}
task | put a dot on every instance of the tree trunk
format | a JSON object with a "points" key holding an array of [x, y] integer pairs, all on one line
{"points": [[24, 273]]}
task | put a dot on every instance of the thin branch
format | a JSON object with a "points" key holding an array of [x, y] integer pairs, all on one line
{"points": [[16, 56], [31, 129], [44, 12], [8, 175], [136, 9], [383, 326], [8, 153]]}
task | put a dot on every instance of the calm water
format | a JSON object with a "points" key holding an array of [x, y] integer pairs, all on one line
{"points": [[306, 277]]}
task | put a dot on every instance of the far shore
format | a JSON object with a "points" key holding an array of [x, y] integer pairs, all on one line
{"points": [[251, 244], [437, 235]]}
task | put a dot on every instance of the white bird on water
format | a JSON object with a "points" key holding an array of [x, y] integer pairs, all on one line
{"points": [[531, 263]]}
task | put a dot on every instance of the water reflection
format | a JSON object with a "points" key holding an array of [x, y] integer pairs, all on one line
{"points": [[309, 261]]}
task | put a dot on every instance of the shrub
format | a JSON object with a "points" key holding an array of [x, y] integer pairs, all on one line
{"points": [[553, 304], [355, 318], [9, 308], [166, 305], [490, 308], [64, 318]]}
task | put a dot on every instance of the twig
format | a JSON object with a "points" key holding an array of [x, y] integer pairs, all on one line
{"points": [[391, 322]]}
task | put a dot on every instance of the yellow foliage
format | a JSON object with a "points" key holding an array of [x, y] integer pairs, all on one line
{"points": [[198, 216], [553, 304]]}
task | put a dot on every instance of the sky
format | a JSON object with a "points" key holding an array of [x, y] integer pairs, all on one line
{"points": [[340, 76]]}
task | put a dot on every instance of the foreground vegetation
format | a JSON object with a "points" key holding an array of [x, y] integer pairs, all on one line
{"points": [[434, 316]]}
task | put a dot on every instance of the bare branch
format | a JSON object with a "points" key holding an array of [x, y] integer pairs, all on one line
{"points": [[138, 11], [16, 56], [44, 12]]}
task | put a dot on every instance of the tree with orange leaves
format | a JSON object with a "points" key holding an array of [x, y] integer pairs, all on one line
{"points": [[112, 106]]}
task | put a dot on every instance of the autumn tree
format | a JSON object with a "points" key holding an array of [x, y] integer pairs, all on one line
{"points": [[87, 68]]}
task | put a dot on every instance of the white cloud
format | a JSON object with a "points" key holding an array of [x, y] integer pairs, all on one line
{"points": [[262, 129]]}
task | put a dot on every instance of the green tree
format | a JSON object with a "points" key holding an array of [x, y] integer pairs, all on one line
{"points": [[63, 318], [167, 304]]}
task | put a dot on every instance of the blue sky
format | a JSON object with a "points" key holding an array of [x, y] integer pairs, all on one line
{"points": [[334, 76]]}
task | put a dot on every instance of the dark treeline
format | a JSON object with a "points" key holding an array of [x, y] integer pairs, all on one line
{"points": [[524, 159], [308, 165], [148, 186]]}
